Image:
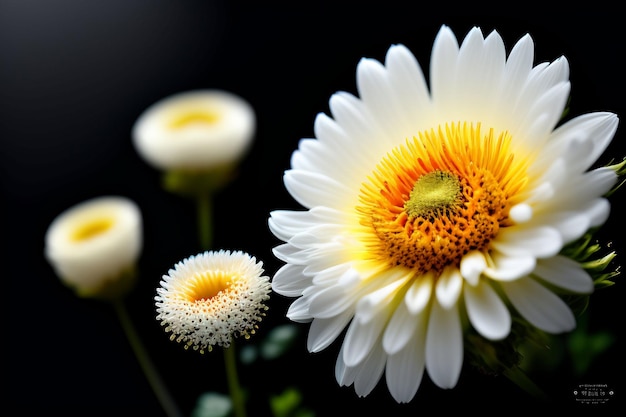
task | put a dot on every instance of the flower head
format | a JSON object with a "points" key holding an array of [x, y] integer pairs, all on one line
{"points": [[94, 246], [195, 130], [210, 298], [434, 210]]}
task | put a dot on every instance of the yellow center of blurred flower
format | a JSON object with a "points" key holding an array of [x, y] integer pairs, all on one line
{"points": [[440, 196], [91, 229], [194, 117], [207, 285]]}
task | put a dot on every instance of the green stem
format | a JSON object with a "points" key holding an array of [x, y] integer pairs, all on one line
{"points": [[146, 364], [236, 394], [205, 219]]}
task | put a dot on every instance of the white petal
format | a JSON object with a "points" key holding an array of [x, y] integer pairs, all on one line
{"points": [[472, 265], [444, 346], [322, 257], [313, 155], [541, 79], [581, 189], [332, 275], [323, 332], [480, 70], [365, 376], [418, 295], [361, 338], [373, 304], [313, 235], [506, 268], [565, 273], [448, 288], [598, 211], [284, 223], [375, 90], [287, 253], [571, 226], [299, 311], [408, 81], [401, 328], [360, 126], [541, 307], [345, 375], [541, 242], [442, 64], [311, 189], [518, 67], [544, 115], [521, 213], [334, 137], [405, 370], [595, 128], [370, 372], [290, 281], [486, 311], [329, 302]]}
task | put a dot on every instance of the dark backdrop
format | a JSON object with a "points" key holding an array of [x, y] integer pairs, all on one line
{"points": [[74, 76]]}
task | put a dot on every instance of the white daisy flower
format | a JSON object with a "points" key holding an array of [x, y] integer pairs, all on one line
{"points": [[432, 206], [94, 246], [210, 298], [195, 130]]}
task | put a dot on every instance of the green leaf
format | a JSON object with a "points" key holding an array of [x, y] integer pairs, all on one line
{"points": [[284, 404]]}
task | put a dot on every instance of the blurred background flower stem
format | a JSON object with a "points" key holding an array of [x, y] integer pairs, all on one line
{"points": [[205, 219], [150, 371], [236, 394]]}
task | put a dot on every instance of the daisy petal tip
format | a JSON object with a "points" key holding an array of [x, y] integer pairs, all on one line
{"points": [[521, 213], [472, 265]]}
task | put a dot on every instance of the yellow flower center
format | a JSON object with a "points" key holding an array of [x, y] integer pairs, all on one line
{"points": [[432, 194], [440, 196], [91, 229], [207, 285], [194, 117]]}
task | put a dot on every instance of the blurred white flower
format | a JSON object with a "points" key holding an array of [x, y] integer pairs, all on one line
{"points": [[195, 131], [211, 298], [93, 246]]}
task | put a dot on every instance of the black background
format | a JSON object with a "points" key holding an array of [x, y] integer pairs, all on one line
{"points": [[74, 76]]}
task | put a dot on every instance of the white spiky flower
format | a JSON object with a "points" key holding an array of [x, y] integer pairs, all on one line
{"points": [[211, 298], [94, 245], [433, 205], [195, 130]]}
